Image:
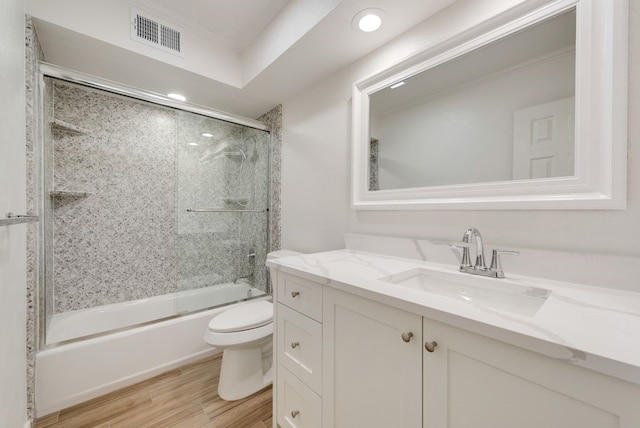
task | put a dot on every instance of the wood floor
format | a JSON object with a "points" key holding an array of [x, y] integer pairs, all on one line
{"points": [[185, 397]]}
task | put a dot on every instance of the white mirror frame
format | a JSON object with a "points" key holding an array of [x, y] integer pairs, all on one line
{"points": [[601, 118]]}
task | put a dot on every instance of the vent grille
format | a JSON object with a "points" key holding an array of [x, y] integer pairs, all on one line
{"points": [[155, 33], [170, 38], [146, 29]]}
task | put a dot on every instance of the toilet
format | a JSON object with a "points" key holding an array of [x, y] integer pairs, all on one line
{"points": [[245, 333]]}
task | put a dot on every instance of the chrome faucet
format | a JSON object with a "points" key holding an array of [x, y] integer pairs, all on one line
{"points": [[469, 235], [480, 267]]}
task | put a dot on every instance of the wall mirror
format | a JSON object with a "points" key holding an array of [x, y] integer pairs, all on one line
{"points": [[526, 111]]}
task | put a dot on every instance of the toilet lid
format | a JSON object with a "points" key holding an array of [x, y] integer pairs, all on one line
{"points": [[243, 317]]}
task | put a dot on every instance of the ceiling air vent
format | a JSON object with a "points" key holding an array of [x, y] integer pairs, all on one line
{"points": [[155, 33]]}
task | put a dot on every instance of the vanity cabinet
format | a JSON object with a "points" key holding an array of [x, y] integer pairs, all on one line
{"points": [[298, 351], [474, 381], [377, 372]]}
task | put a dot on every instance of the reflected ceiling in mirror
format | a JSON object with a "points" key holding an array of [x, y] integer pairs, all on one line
{"points": [[502, 112]]}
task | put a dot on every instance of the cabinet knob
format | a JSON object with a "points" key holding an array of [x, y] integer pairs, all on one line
{"points": [[295, 413], [295, 294], [407, 336], [294, 345], [430, 346]]}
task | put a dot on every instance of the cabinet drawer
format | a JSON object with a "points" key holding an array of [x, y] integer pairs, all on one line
{"points": [[300, 294], [299, 340], [298, 406]]}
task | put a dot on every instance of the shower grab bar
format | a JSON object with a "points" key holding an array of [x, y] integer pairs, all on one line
{"points": [[215, 210], [17, 219]]}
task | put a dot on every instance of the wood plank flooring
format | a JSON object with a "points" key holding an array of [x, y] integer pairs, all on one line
{"points": [[185, 398]]}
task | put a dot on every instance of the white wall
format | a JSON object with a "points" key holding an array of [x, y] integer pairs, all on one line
{"points": [[315, 171], [316, 165], [13, 396]]}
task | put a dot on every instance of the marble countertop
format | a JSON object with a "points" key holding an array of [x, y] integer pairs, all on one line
{"points": [[596, 328]]}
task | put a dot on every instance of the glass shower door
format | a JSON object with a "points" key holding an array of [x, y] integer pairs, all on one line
{"points": [[222, 215]]}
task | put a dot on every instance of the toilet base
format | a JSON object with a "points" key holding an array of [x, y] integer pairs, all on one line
{"points": [[242, 374]]}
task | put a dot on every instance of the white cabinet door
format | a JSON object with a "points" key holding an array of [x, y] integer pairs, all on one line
{"points": [[371, 373], [474, 381]]}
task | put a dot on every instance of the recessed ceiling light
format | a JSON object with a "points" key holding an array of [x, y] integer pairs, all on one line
{"points": [[369, 23], [206, 135], [397, 85], [193, 144], [177, 97], [368, 20]]}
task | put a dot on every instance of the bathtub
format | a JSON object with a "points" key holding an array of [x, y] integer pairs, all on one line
{"points": [[76, 371], [88, 322]]}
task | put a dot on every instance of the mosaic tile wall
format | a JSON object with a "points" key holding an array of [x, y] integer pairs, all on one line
{"points": [[273, 118], [46, 222], [374, 153], [117, 242], [125, 238]]}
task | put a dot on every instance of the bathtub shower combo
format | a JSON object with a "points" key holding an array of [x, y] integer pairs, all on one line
{"points": [[155, 220]]}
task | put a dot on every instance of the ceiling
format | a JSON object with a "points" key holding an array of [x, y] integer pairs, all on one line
{"points": [[242, 56], [232, 21]]}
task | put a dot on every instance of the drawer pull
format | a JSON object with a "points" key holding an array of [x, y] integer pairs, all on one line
{"points": [[407, 337], [430, 346], [295, 413], [295, 294], [294, 345]]}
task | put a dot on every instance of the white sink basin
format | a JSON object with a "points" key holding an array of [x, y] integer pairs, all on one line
{"points": [[483, 292]]}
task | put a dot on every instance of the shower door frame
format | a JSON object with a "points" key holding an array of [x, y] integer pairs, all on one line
{"points": [[50, 70], [62, 73]]}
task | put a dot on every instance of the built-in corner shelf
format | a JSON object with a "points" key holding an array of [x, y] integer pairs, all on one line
{"points": [[61, 125], [68, 194]]}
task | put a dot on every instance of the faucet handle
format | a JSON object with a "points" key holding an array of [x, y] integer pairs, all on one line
{"points": [[496, 266]]}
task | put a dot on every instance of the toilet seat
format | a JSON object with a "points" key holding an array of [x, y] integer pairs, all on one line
{"points": [[244, 326], [243, 317]]}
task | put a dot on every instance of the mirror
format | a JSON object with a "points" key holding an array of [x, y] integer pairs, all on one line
{"points": [[504, 111], [502, 119]]}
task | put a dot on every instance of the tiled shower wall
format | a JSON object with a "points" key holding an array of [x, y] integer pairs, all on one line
{"points": [[273, 118], [117, 243], [121, 190]]}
